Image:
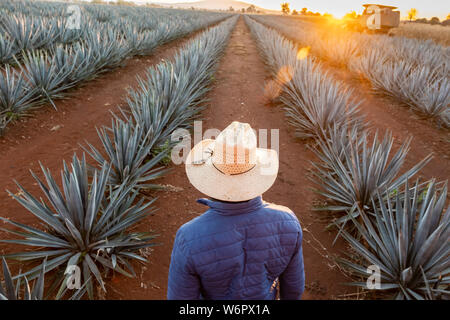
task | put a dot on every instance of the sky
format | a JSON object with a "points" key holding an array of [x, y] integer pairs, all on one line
{"points": [[425, 8]]}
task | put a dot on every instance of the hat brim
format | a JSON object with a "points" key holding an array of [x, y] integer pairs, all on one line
{"points": [[210, 181]]}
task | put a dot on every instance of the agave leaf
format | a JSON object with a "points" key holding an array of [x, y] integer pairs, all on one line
{"points": [[12, 291], [406, 275], [36, 232], [38, 290], [95, 271], [108, 264], [24, 256], [9, 285]]}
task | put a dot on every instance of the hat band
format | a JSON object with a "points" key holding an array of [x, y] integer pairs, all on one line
{"points": [[233, 169]]}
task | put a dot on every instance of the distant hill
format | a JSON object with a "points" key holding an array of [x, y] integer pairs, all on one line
{"points": [[214, 5]]}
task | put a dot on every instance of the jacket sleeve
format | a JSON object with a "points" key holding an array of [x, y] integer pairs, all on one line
{"points": [[183, 284], [292, 280]]}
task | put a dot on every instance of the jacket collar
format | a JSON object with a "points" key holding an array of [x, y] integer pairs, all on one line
{"points": [[227, 208]]}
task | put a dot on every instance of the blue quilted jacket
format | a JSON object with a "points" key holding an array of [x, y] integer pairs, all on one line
{"points": [[238, 251]]}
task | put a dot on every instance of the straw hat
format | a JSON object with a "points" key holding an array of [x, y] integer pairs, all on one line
{"points": [[232, 168]]}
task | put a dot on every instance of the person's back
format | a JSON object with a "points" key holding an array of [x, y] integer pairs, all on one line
{"points": [[241, 248], [238, 251]]}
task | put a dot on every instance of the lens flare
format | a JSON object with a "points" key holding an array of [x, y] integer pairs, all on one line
{"points": [[303, 53], [272, 90], [285, 74]]}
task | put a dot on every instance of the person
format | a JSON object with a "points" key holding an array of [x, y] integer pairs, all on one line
{"points": [[242, 247]]}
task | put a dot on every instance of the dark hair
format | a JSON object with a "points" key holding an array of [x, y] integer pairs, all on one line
{"points": [[227, 201]]}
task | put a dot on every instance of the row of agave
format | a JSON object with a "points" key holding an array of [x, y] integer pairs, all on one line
{"points": [[47, 24], [19, 32], [40, 76], [416, 72], [87, 223], [389, 222]]}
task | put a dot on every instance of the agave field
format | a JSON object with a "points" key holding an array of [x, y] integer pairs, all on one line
{"points": [[98, 203], [42, 57], [368, 196]]}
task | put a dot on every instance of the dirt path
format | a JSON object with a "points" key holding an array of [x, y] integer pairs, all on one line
{"points": [[238, 95]]}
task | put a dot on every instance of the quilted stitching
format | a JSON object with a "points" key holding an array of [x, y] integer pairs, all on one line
{"points": [[238, 255]]}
